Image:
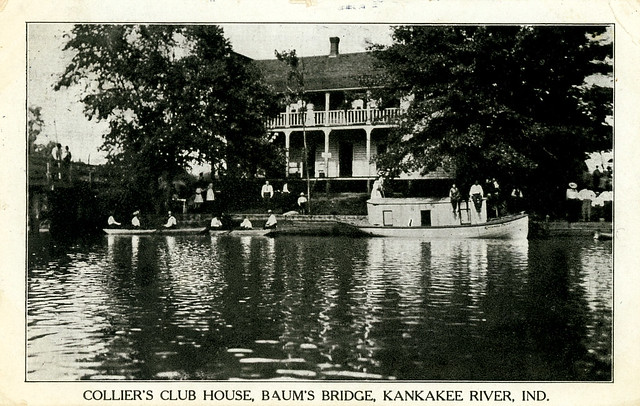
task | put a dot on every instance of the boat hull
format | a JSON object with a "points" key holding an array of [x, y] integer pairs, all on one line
{"points": [[256, 232], [163, 231], [512, 227], [128, 231]]}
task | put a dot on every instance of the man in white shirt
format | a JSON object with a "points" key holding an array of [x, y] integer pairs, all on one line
{"points": [[267, 193], [171, 221], [302, 203], [586, 196], [476, 194], [112, 223], [135, 221], [246, 224], [272, 222]]}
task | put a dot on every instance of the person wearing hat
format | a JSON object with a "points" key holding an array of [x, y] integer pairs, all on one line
{"points": [[272, 222], [302, 203], [135, 221], [171, 221], [573, 203]]}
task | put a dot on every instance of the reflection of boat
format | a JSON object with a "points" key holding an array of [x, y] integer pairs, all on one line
{"points": [[253, 231], [172, 231], [434, 218], [599, 235]]}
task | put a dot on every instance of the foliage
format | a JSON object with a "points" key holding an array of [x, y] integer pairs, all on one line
{"points": [[172, 95], [509, 102]]}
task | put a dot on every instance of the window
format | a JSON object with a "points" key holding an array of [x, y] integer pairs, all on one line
{"points": [[425, 218], [387, 218]]}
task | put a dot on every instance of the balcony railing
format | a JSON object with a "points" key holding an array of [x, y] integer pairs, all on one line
{"points": [[336, 118]]}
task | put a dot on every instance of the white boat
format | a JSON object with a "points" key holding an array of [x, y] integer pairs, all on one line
{"points": [[165, 231], [129, 231], [429, 218]]}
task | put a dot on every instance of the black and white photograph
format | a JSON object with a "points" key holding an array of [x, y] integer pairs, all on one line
{"points": [[320, 212]]}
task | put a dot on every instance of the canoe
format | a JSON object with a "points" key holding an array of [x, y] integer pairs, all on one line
{"points": [[510, 227], [172, 231], [600, 235], [129, 231], [253, 231], [163, 231]]}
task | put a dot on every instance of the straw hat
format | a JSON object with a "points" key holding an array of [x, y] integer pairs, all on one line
{"points": [[573, 185], [135, 213]]}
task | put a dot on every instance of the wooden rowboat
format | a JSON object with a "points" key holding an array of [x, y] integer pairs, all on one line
{"points": [[163, 231], [253, 231]]}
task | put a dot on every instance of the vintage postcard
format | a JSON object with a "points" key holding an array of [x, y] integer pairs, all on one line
{"points": [[319, 202]]}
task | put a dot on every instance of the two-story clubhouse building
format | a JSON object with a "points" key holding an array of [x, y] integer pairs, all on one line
{"points": [[344, 127]]}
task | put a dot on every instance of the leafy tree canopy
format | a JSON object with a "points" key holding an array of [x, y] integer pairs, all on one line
{"points": [[503, 101], [172, 95]]}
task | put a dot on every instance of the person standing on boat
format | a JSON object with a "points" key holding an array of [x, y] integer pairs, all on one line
{"points": [[377, 191], [135, 221], [171, 221], [272, 222], [246, 224], [454, 196], [112, 223], [476, 194]]}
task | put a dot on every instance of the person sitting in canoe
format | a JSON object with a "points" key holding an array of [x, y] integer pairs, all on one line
{"points": [[215, 224], [246, 224], [135, 221], [112, 223], [272, 222], [476, 194], [171, 221]]}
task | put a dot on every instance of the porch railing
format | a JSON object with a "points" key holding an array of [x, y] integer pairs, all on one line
{"points": [[336, 118]]}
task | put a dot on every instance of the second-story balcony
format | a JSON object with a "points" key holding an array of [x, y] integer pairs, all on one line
{"points": [[336, 118]]}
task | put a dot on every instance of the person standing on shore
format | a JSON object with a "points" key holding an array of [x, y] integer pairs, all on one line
{"points": [[302, 203], [572, 202], [586, 196], [267, 193]]}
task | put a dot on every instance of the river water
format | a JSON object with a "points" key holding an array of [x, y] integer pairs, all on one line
{"points": [[229, 307]]}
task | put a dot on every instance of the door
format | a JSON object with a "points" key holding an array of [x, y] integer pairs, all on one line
{"points": [[345, 159]]}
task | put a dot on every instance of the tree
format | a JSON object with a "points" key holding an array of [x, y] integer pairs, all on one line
{"points": [[35, 123], [296, 90], [509, 102], [172, 95]]}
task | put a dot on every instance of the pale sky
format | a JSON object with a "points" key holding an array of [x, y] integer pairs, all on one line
{"points": [[63, 113]]}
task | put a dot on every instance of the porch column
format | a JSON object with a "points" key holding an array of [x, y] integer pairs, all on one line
{"points": [[287, 135], [368, 131], [326, 155], [286, 116], [326, 109]]}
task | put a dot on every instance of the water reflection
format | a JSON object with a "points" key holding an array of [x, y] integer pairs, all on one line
{"points": [[226, 307]]}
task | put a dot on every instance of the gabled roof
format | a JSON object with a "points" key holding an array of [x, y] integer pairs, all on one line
{"points": [[345, 71]]}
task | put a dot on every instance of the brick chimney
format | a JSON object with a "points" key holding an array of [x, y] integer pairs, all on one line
{"points": [[335, 42]]}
